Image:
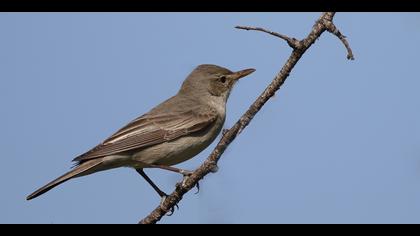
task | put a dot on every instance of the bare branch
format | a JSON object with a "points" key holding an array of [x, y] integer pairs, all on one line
{"points": [[334, 30], [293, 43], [210, 164]]}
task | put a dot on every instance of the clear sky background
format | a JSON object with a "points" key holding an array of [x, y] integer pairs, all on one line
{"points": [[339, 143]]}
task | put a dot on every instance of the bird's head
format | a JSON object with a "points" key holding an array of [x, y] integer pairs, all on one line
{"points": [[212, 80]]}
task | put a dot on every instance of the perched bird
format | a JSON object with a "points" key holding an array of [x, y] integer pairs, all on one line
{"points": [[172, 132]]}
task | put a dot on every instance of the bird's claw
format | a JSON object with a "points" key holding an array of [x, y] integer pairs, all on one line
{"points": [[198, 187], [186, 175], [184, 180], [172, 210]]}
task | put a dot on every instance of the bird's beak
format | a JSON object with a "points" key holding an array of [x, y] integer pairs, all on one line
{"points": [[239, 74]]}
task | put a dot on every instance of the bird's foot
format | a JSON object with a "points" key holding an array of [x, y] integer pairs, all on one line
{"points": [[172, 210], [198, 187], [184, 183]]}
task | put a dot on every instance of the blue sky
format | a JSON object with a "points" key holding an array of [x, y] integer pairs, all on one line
{"points": [[339, 143]]}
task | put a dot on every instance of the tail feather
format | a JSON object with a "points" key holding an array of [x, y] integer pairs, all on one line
{"points": [[77, 171]]}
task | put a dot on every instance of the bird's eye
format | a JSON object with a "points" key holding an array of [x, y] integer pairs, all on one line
{"points": [[223, 79]]}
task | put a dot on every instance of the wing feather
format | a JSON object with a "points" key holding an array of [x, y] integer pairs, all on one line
{"points": [[149, 130]]}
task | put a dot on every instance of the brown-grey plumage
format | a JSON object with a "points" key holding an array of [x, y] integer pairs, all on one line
{"points": [[172, 132]]}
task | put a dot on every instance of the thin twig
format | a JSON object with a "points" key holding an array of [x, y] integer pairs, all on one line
{"points": [[211, 162], [334, 30], [294, 43]]}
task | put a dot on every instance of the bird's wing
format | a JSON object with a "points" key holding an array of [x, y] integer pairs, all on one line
{"points": [[149, 130]]}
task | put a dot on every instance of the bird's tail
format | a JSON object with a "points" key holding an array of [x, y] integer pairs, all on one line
{"points": [[82, 169]]}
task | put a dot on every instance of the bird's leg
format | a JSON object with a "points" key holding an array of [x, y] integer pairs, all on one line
{"points": [[156, 188], [185, 173], [173, 169], [162, 194]]}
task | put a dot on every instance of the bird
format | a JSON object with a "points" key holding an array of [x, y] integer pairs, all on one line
{"points": [[174, 131]]}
